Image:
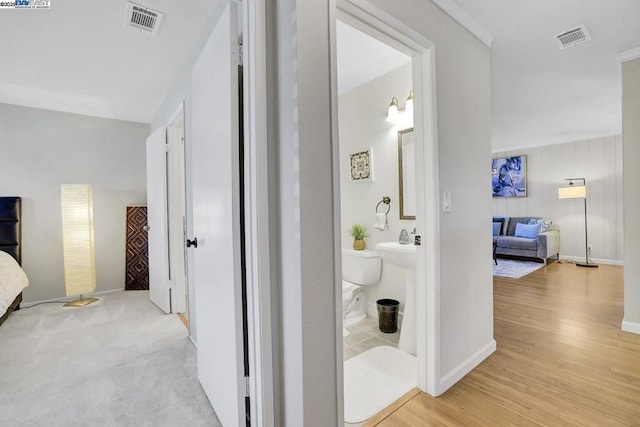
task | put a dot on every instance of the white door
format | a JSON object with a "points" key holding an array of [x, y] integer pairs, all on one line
{"points": [[159, 284], [176, 216], [216, 223]]}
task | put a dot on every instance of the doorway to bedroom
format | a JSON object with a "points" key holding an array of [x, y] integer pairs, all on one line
{"points": [[166, 201]]}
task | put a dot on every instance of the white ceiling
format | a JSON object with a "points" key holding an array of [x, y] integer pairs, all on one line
{"points": [[361, 58], [540, 95], [543, 95], [79, 57]]}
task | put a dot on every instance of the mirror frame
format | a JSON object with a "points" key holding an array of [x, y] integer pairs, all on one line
{"points": [[401, 174]]}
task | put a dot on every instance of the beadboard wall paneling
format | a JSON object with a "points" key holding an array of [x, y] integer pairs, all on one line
{"points": [[600, 162]]}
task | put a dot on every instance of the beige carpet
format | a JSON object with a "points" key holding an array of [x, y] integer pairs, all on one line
{"points": [[119, 362]]}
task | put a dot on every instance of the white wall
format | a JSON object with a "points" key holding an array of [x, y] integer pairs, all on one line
{"points": [[304, 179], [306, 232], [362, 125], [631, 135], [463, 110], [600, 162], [42, 149]]}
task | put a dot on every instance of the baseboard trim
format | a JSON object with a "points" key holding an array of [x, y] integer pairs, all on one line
{"points": [[67, 299], [596, 260], [465, 367], [193, 341], [632, 327]]}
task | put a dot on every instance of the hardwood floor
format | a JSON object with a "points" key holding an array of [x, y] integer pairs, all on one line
{"points": [[561, 360], [184, 320]]}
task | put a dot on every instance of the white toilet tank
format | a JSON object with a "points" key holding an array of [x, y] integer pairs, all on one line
{"points": [[361, 267]]}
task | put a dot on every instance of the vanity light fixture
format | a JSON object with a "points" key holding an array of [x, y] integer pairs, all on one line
{"points": [[398, 115], [392, 112], [408, 106]]}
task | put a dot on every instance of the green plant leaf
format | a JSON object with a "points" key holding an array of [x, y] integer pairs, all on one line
{"points": [[358, 232]]}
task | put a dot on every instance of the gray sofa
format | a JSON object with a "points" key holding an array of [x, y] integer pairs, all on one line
{"points": [[545, 245]]}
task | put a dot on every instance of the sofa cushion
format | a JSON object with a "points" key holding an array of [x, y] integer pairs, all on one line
{"points": [[497, 226], [527, 230], [512, 242], [502, 221], [513, 221], [544, 225]]}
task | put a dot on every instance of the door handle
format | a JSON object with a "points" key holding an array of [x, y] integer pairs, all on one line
{"points": [[193, 242]]}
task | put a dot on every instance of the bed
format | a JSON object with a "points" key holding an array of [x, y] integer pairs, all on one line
{"points": [[12, 278]]}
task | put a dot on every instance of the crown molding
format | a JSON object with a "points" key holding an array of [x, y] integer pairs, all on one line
{"points": [[629, 55], [455, 12]]}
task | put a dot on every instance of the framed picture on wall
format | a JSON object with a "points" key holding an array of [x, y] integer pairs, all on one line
{"points": [[362, 166], [509, 176]]}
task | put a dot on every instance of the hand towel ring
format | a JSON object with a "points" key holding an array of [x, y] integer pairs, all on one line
{"points": [[387, 201]]}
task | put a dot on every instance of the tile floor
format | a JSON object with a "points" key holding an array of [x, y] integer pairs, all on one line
{"points": [[365, 335]]}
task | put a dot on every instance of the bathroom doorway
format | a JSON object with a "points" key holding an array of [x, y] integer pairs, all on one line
{"points": [[374, 155]]}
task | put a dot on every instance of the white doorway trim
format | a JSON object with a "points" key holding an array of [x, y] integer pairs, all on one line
{"points": [[370, 19], [257, 218]]}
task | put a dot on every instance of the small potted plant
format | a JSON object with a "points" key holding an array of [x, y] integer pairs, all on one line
{"points": [[358, 232]]}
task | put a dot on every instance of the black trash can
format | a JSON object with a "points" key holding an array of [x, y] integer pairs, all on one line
{"points": [[388, 315]]}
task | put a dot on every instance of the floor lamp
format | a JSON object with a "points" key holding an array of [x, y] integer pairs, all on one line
{"points": [[573, 191], [77, 242]]}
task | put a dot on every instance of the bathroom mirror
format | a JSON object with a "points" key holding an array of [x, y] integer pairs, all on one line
{"points": [[407, 173]]}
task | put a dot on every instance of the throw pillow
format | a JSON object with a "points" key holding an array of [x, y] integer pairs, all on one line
{"points": [[527, 230], [496, 228], [544, 225]]}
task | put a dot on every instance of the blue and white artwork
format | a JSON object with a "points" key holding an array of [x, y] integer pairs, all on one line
{"points": [[509, 177]]}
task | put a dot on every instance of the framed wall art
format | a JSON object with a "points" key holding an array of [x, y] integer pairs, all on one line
{"points": [[362, 166], [509, 176]]}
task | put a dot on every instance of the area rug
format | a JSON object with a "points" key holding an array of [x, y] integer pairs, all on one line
{"points": [[375, 379], [515, 269]]}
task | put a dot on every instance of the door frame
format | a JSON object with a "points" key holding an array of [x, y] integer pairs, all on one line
{"points": [[256, 21], [177, 208], [257, 219], [365, 16]]}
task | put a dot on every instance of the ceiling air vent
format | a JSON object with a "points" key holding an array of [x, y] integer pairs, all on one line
{"points": [[573, 37], [143, 18]]}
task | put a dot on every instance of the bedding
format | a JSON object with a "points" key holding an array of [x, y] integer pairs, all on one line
{"points": [[12, 280], [11, 243]]}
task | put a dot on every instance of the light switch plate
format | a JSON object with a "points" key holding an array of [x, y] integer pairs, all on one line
{"points": [[446, 201]]}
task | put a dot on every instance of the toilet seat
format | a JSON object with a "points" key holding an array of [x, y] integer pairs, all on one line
{"points": [[353, 303], [349, 286]]}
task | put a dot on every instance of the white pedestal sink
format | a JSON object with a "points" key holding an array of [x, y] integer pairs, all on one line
{"points": [[404, 256]]}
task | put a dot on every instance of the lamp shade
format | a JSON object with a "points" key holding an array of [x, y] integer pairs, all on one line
{"points": [[409, 105], [77, 239], [393, 115], [572, 192]]}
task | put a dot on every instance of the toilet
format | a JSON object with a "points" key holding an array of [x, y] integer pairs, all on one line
{"points": [[359, 268]]}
